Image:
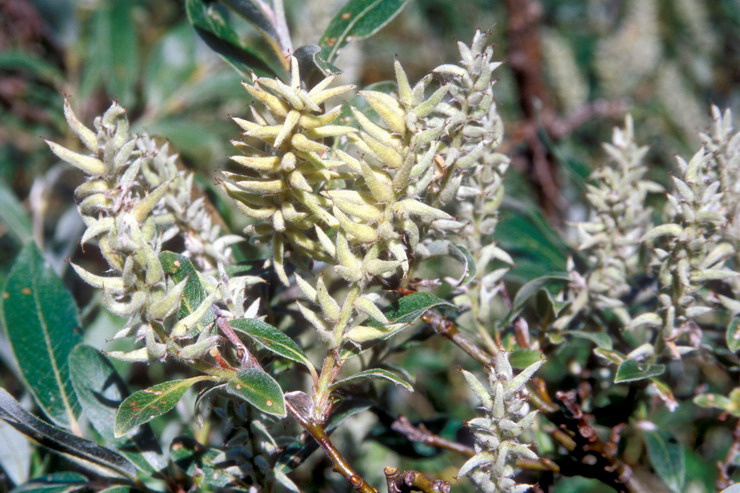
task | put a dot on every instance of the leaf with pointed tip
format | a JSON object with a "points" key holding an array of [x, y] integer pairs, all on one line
{"points": [[522, 358], [601, 339], [376, 373], [59, 482], [412, 306], [667, 458], [90, 455], [260, 390], [462, 254], [732, 335], [145, 405], [222, 39], [100, 391], [529, 290], [40, 318], [271, 339], [179, 267], [358, 19], [631, 370]]}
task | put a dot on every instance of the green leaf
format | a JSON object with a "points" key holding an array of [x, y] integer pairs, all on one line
{"points": [[260, 390], [601, 339], [145, 405], [732, 336], [222, 39], [124, 54], [250, 11], [100, 391], [36, 67], [530, 290], [412, 306], [98, 386], [271, 339], [631, 370], [59, 482], [40, 318], [13, 215], [358, 19], [667, 457], [170, 65], [201, 464], [117, 489], [90, 455], [179, 267], [522, 358], [376, 373]]}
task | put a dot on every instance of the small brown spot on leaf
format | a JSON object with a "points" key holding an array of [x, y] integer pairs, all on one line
{"points": [[269, 403], [346, 15], [26, 290], [6, 295], [177, 263], [238, 387]]}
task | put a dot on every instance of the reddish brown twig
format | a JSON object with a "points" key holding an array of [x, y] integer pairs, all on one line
{"points": [[399, 482], [447, 329], [340, 463]]}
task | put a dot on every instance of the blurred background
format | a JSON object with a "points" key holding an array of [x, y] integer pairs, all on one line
{"points": [[571, 71]]}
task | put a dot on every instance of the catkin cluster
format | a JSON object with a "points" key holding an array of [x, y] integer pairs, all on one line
{"points": [[611, 238], [133, 201], [497, 434]]}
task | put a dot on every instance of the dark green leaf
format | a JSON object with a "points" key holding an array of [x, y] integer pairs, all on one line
{"points": [[522, 358], [145, 405], [271, 339], [528, 291], [36, 67], [13, 216], [667, 457], [732, 335], [200, 463], [411, 307], [100, 391], [631, 370], [251, 12], [40, 317], [180, 267], [222, 39], [601, 339], [117, 489], [89, 454], [260, 390], [358, 19], [310, 63], [60, 482], [376, 373], [123, 51]]}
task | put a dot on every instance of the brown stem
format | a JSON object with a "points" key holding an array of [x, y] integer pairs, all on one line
{"points": [[449, 330], [341, 465], [413, 481]]}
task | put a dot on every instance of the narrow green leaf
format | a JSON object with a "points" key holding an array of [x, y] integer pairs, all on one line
{"points": [[522, 358], [529, 290], [222, 39], [123, 51], [59, 482], [631, 370], [39, 68], [40, 317], [251, 12], [376, 373], [179, 267], [358, 19], [98, 386], [732, 336], [117, 489], [13, 215], [411, 307], [100, 391], [271, 339], [601, 339], [667, 457], [260, 390], [145, 405], [90, 455]]}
